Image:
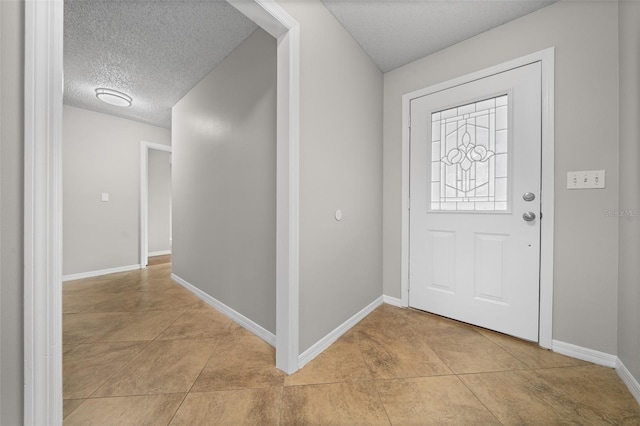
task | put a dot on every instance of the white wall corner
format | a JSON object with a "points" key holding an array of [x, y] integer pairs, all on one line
{"points": [[322, 344], [393, 301], [585, 354], [90, 274], [628, 379], [229, 312]]}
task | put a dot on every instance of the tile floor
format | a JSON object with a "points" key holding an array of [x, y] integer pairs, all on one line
{"points": [[141, 350]]}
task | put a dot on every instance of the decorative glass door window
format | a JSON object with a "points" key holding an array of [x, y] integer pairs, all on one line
{"points": [[469, 157]]}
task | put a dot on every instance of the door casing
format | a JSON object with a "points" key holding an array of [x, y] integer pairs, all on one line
{"points": [[145, 146], [43, 197], [546, 59]]}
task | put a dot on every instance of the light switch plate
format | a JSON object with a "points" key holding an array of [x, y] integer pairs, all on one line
{"points": [[587, 179], [105, 196]]}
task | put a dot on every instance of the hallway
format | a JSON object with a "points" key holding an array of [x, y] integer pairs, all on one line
{"points": [[140, 349]]}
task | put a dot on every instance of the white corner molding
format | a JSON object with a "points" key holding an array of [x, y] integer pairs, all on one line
{"points": [[229, 312], [628, 379], [270, 16], [100, 272], [585, 354], [547, 60], [322, 344], [393, 301], [43, 213], [145, 146]]}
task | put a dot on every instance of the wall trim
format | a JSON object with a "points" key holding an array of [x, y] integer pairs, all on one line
{"points": [[270, 16], [547, 59], [90, 274], [43, 33], [229, 312], [158, 253], [322, 344], [628, 379], [145, 146], [393, 301], [585, 354]]}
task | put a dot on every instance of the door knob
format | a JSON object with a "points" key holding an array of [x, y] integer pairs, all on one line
{"points": [[529, 196], [528, 216]]}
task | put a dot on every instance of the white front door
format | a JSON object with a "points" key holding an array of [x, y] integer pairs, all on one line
{"points": [[475, 164]]}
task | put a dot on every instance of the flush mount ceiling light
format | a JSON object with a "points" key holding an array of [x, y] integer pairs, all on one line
{"points": [[113, 97]]}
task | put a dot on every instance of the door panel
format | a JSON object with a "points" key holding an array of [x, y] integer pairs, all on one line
{"points": [[475, 150]]}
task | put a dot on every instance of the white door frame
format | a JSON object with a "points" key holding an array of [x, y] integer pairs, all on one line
{"points": [[145, 146], [546, 58], [44, 26]]}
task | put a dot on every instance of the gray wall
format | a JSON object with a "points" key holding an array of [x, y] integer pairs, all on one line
{"points": [[585, 35], [340, 168], [159, 200], [224, 182], [11, 210], [629, 274], [101, 153]]}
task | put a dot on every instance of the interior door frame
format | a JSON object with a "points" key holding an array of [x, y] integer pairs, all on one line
{"points": [[145, 146], [43, 97], [547, 59]]}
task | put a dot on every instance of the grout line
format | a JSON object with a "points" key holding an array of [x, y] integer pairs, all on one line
{"points": [[281, 404], [382, 403], [478, 398]]}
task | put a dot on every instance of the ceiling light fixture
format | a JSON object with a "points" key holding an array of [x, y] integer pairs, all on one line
{"points": [[113, 97]]}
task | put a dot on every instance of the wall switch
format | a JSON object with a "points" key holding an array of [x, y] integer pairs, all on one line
{"points": [[105, 196], [590, 179]]}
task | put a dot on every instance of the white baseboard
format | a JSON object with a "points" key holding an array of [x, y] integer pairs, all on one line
{"points": [[585, 354], [628, 379], [158, 253], [322, 344], [231, 313], [90, 274], [394, 301]]}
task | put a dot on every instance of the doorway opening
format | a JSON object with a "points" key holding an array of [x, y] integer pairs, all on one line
{"points": [[155, 201], [44, 25]]}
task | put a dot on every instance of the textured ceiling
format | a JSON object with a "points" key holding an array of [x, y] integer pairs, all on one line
{"points": [[396, 32], [155, 51]]}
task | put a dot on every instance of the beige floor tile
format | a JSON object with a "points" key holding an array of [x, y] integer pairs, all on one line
{"points": [[340, 362], [75, 303], [148, 301], [103, 285], [432, 327], [197, 324], [384, 316], [241, 360], [164, 366], [235, 407], [467, 351], [432, 400], [355, 403], [116, 326], [87, 366], [529, 353], [598, 388], [520, 397], [151, 410], [395, 353], [68, 405], [78, 328]]}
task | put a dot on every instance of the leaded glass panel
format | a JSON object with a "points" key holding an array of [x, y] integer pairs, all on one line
{"points": [[469, 157]]}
